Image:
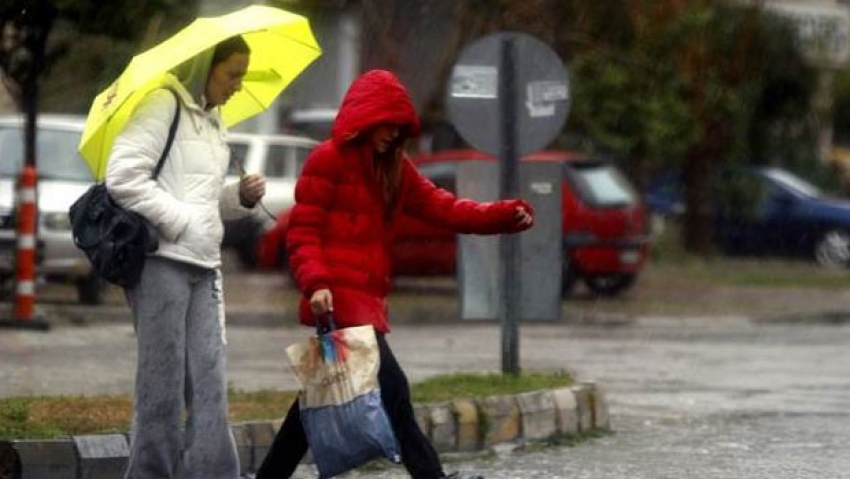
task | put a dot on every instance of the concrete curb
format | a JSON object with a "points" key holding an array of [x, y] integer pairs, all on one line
{"points": [[462, 425]]}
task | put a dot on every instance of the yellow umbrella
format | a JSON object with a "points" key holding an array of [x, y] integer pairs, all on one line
{"points": [[282, 46]]}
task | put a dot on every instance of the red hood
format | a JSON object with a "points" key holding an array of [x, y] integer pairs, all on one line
{"points": [[375, 97]]}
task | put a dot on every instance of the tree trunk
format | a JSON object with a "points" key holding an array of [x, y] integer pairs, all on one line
{"points": [[698, 221]]}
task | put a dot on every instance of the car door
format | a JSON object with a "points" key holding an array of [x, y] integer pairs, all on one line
{"points": [[778, 227], [759, 215], [743, 212], [281, 167], [791, 213]]}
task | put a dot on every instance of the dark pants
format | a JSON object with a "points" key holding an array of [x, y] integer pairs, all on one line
{"points": [[417, 454]]}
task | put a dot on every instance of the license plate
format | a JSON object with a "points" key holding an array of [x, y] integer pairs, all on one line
{"points": [[630, 256]]}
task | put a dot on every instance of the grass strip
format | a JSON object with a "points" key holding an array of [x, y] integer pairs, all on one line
{"points": [[51, 417]]}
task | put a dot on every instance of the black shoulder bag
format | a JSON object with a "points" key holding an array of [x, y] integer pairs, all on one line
{"points": [[116, 241]]}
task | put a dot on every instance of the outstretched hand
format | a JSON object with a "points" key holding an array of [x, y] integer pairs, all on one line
{"points": [[523, 217]]}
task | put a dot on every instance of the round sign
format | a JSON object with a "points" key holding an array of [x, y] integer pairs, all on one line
{"points": [[541, 93]]}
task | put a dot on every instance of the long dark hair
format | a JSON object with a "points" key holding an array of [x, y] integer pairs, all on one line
{"points": [[388, 172]]}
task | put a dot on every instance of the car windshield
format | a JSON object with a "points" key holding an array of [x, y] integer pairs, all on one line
{"points": [[56, 154], [793, 183], [603, 185]]}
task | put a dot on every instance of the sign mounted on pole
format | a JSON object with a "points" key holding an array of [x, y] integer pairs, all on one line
{"points": [[541, 98], [509, 95]]}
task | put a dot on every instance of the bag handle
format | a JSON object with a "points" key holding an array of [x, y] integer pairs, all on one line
{"points": [[172, 131], [326, 326]]}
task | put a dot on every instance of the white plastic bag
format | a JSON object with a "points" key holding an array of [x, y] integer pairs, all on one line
{"points": [[341, 408]]}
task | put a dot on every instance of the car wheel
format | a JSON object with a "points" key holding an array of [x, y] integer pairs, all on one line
{"points": [[242, 235], [5, 290], [246, 248], [91, 289], [833, 249], [247, 253], [283, 259], [569, 277], [611, 284]]}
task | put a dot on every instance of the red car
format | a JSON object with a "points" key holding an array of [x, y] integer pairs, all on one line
{"points": [[605, 224]]}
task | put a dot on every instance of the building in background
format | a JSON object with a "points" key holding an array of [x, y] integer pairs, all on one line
{"points": [[823, 33], [823, 28]]}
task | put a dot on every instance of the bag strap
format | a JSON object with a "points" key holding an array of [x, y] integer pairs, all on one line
{"points": [[326, 326], [172, 131]]}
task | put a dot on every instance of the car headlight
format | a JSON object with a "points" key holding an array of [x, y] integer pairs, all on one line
{"points": [[58, 221]]}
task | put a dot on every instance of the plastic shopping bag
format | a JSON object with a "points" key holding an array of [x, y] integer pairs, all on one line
{"points": [[341, 408]]}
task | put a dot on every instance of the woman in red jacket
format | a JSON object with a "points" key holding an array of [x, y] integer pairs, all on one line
{"points": [[351, 191]]}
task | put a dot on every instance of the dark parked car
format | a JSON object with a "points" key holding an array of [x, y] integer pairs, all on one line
{"points": [[768, 211], [605, 231]]}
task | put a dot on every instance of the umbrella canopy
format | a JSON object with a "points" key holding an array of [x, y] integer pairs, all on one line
{"points": [[282, 46]]}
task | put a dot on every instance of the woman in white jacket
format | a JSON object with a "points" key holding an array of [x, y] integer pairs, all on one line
{"points": [[178, 306]]}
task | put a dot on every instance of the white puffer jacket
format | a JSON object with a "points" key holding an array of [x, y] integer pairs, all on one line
{"points": [[189, 199]]}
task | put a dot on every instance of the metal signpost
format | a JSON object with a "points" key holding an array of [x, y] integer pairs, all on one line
{"points": [[508, 96], [24, 26]]}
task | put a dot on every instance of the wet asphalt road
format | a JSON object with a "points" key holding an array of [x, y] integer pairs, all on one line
{"points": [[697, 398], [690, 399]]}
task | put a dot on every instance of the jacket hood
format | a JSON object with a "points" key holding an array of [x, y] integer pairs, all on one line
{"points": [[375, 97]]}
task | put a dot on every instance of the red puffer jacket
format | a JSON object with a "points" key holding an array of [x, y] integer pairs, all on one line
{"points": [[339, 237]]}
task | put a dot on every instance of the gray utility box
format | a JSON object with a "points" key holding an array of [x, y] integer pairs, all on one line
{"points": [[480, 261]]}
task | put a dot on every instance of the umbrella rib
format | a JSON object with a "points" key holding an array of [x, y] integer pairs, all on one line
{"points": [[311, 46], [254, 97]]}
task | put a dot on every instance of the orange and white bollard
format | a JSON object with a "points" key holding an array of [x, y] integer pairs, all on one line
{"points": [[23, 313]]}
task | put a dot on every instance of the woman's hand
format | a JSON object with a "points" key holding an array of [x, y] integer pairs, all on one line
{"points": [[524, 217], [322, 302], [251, 190]]}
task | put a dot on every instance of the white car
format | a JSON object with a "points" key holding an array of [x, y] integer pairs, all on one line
{"points": [[280, 159], [62, 177]]}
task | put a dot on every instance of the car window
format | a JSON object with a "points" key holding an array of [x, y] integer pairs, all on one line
{"points": [[238, 153], [442, 174], [56, 154], [793, 183], [602, 185], [277, 162], [300, 157]]}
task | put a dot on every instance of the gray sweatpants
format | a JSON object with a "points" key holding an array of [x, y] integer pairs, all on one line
{"points": [[177, 310]]}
